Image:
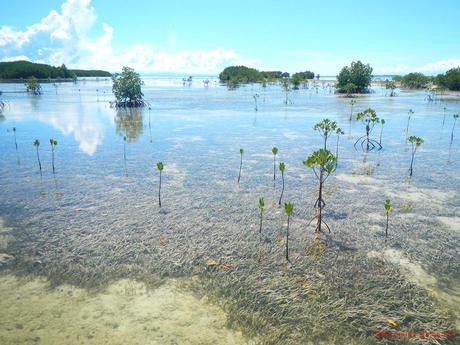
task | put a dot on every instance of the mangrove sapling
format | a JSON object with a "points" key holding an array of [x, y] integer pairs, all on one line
{"points": [[37, 144], [352, 103], [261, 208], [288, 208], [274, 151], [15, 141], [444, 117], [286, 90], [339, 132], [282, 168], [453, 127], [409, 113], [53, 144], [241, 164], [369, 118], [324, 161], [256, 96], [416, 143], [388, 210], [124, 155], [160, 167], [382, 122], [325, 128]]}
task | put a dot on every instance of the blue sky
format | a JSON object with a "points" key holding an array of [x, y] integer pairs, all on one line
{"points": [[205, 36]]}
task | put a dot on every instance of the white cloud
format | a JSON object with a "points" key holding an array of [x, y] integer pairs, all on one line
{"points": [[64, 37], [439, 66]]}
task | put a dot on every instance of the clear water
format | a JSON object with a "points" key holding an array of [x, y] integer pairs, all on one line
{"points": [[97, 221]]}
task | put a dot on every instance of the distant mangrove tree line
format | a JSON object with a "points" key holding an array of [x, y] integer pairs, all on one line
{"points": [[25, 70]]}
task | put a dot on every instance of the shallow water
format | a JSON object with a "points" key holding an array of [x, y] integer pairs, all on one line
{"points": [[96, 221]]}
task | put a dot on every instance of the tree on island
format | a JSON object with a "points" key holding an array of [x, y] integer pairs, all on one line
{"points": [[449, 80], [127, 89], [355, 78], [33, 86]]}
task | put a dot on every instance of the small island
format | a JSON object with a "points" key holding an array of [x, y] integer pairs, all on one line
{"points": [[20, 70]]}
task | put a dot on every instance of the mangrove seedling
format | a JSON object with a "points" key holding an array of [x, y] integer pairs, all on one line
{"points": [[282, 167], [388, 210], [286, 90], [124, 155], [325, 128], [241, 164], [369, 118], [352, 103], [416, 143], [274, 151], [339, 132], [261, 208], [15, 141], [256, 96], [409, 113], [160, 167], [444, 117], [453, 127], [288, 208], [382, 122], [37, 144], [53, 144], [322, 162]]}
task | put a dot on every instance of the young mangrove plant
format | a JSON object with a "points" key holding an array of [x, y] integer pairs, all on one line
{"points": [[274, 151], [160, 167], [416, 143], [124, 155], [382, 122], [409, 115], [282, 167], [388, 210], [369, 118], [241, 164], [453, 127], [352, 103], [286, 90], [256, 96], [288, 208], [37, 144], [15, 141], [325, 128], [322, 162], [339, 132], [53, 144], [261, 208]]}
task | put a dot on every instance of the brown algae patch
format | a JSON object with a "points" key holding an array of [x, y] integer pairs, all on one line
{"points": [[125, 313]]}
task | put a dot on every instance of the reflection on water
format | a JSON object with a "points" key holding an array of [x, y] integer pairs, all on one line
{"points": [[129, 123]]}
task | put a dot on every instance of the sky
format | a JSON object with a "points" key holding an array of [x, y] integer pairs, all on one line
{"points": [[204, 36]]}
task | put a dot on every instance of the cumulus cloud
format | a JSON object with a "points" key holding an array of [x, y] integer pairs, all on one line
{"points": [[439, 66], [64, 37]]}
